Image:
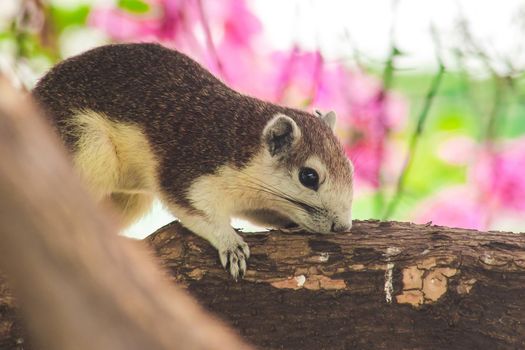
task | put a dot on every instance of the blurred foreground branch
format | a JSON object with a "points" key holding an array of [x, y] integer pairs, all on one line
{"points": [[80, 286]]}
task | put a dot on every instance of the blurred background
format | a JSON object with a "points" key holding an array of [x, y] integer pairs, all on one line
{"points": [[429, 94]]}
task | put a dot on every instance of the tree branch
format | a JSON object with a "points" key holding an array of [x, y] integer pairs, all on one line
{"points": [[385, 285]]}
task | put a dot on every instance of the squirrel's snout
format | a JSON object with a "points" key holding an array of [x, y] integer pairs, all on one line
{"points": [[338, 227]]}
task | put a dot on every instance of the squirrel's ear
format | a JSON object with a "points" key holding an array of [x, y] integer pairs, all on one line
{"points": [[280, 134], [330, 118]]}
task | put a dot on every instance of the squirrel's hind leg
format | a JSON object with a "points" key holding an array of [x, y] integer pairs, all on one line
{"points": [[116, 164], [131, 206]]}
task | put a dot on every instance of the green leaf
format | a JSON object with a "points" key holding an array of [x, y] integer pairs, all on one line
{"points": [[451, 121], [5, 35], [65, 17], [134, 6]]}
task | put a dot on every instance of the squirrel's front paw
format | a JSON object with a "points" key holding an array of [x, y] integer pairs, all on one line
{"points": [[233, 253]]}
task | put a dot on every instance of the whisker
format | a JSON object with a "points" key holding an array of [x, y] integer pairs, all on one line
{"points": [[275, 191], [276, 197], [303, 206], [267, 185]]}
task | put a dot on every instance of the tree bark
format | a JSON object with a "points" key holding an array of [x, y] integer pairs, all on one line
{"points": [[385, 285]]}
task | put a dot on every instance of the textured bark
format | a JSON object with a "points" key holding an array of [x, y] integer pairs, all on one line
{"points": [[385, 285]]}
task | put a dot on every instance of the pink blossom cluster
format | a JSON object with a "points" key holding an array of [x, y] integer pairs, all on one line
{"points": [[191, 26], [456, 206], [225, 37], [495, 188], [499, 175]]}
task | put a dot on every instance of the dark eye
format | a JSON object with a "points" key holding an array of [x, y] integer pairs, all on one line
{"points": [[309, 178]]}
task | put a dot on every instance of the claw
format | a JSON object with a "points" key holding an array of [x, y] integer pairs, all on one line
{"points": [[246, 250], [233, 256], [234, 266], [234, 261], [223, 256], [242, 267]]}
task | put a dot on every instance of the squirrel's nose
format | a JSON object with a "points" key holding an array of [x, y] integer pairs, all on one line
{"points": [[336, 227]]}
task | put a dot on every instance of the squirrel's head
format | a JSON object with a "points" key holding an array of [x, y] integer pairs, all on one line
{"points": [[304, 174]]}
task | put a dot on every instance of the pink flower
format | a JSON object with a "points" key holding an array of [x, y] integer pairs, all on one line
{"points": [[499, 175], [497, 187], [239, 24], [286, 78], [171, 22], [366, 115], [295, 77], [230, 32], [457, 150], [227, 27], [120, 25], [457, 206]]}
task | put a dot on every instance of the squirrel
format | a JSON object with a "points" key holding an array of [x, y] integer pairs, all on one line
{"points": [[144, 121]]}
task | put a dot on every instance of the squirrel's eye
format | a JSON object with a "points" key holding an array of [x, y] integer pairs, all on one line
{"points": [[309, 178]]}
